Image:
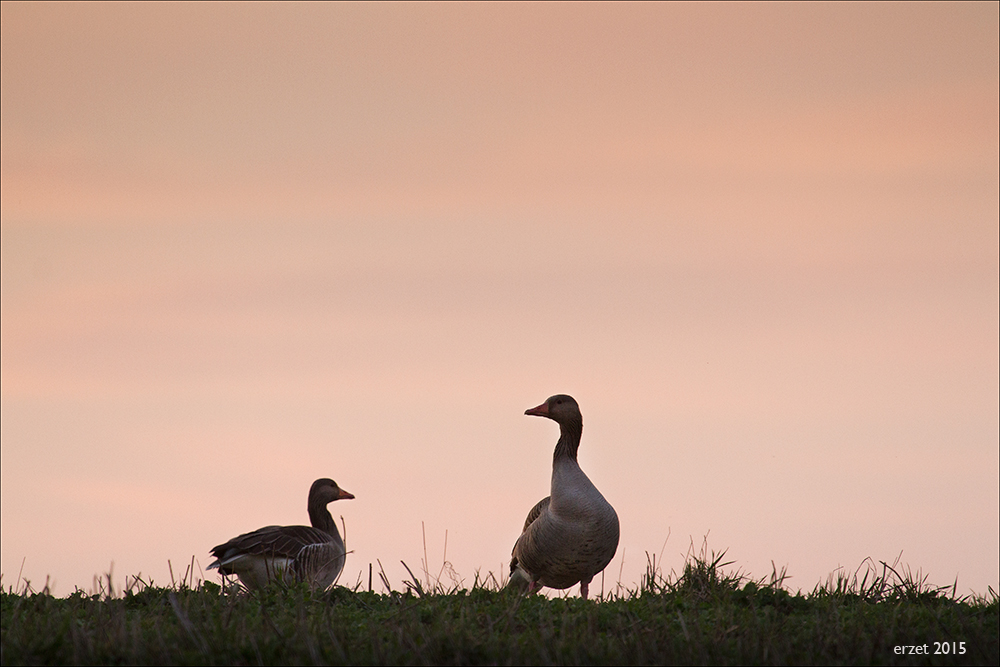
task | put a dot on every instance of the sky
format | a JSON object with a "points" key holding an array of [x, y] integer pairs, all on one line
{"points": [[246, 246]]}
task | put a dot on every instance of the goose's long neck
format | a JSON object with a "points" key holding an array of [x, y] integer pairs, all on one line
{"points": [[320, 518], [570, 432]]}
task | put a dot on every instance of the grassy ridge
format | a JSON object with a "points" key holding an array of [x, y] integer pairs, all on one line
{"points": [[703, 616]]}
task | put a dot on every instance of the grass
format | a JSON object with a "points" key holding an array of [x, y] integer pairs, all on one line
{"points": [[704, 615]]}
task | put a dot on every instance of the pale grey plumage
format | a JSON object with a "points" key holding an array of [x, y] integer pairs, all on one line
{"points": [[571, 535]]}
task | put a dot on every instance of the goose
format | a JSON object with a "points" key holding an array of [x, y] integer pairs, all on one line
{"points": [[314, 554], [572, 534]]}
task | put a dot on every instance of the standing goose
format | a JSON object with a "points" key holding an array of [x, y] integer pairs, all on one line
{"points": [[315, 554], [573, 534]]}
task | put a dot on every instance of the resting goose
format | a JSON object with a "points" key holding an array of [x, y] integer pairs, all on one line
{"points": [[315, 554], [573, 534]]}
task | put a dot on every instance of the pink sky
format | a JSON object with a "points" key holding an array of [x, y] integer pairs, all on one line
{"points": [[246, 246]]}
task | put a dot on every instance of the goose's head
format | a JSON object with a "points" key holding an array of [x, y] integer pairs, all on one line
{"points": [[326, 491], [559, 408]]}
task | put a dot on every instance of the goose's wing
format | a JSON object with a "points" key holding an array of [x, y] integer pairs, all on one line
{"points": [[536, 511], [277, 542], [519, 577]]}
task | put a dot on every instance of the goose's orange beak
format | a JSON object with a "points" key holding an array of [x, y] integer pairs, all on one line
{"points": [[344, 495], [539, 411]]}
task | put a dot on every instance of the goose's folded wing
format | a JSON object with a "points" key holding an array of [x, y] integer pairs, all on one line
{"points": [[273, 541], [536, 512]]}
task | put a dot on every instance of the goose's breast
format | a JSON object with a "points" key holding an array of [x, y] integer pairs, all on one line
{"points": [[562, 552]]}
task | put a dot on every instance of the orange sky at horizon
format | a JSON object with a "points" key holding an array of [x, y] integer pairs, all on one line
{"points": [[246, 246]]}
